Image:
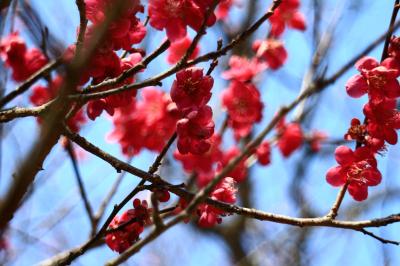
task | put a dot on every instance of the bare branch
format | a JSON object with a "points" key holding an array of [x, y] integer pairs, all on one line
{"points": [[82, 191], [383, 240], [30, 81], [335, 208]]}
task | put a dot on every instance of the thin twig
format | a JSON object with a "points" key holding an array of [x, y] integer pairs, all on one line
{"points": [[82, 24], [332, 79], [200, 33], [111, 193], [156, 212], [30, 81], [18, 112], [154, 167], [335, 207], [82, 191], [390, 29], [136, 68], [214, 63], [383, 240]]}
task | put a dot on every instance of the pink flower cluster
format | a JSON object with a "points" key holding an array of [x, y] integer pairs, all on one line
{"points": [[379, 81], [287, 14], [175, 15], [115, 67], [202, 164], [225, 191], [272, 50], [191, 92], [206, 165], [178, 49], [128, 226], [242, 99], [244, 106], [124, 32], [147, 123], [23, 61], [290, 137]]}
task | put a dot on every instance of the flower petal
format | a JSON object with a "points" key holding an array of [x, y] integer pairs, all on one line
{"points": [[358, 191], [335, 177], [356, 86], [366, 63], [373, 177], [344, 155]]}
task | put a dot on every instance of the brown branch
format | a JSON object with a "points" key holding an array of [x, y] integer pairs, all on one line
{"points": [[82, 191], [301, 222], [154, 167], [209, 56], [5, 4], [111, 193], [136, 68], [30, 81], [116, 163], [322, 221], [18, 112], [199, 34], [214, 63], [52, 65], [158, 222], [351, 62], [75, 253], [390, 29], [82, 24], [383, 240], [335, 207], [62, 256]]}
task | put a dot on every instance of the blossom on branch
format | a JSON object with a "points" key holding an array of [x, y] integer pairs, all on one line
{"points": [[191, 89], [263, 153], [244, 106], [378, 80], [357, 168], [147, 123], [225, 191], [243, 69], [272, 51], [287, 14], [195, 130], [178, 49], [290, 137], [24, 62], [175, 15], [131, 224]]}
